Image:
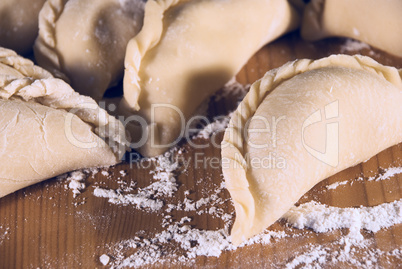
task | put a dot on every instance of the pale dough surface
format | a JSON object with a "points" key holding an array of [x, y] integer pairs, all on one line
{"points": [[302, 123], [186, 51], [374, 22], [84, 41], [47, 129], [19, 24]]}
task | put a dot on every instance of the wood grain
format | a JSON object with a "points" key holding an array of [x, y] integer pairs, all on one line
{"points": [[43, 226]]}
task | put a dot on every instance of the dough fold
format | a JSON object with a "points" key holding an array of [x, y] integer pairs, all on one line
{"points": [[47, 129], [185, 52], [302, 123], [364, 20], [84, 41]]}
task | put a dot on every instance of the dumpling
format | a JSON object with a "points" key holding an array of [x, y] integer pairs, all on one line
{"points": [[47, 129], [19, 24], [364, 20], [302, 123], [186, 51], [84, 41]]}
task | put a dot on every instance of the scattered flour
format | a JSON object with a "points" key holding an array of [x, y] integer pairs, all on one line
{"points": [[387, 174], [4, 233], [104, 259], [75, 181], [232, 88], [384, 175], [353, 45], [349, 253], [337, 184], [323, 218], [218, 125], [188, 243], [180, 243], [356, 31], [141, 200], [147, 198], [205, 205]]}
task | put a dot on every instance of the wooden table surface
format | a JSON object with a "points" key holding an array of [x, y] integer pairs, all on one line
{"points": [[44, 226]]}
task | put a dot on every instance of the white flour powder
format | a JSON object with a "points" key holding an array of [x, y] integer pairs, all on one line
{"points": [[146, 198], [104, 259], [4, 233], [191, 243], [345, 252], [214, 127], [180, 243], [353, 45], [323, 218], [75, 181], [384, 175]]}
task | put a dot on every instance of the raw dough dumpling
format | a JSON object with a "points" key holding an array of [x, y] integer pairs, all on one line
{"points": [[84, 41], [376, 23], [40, 137], [185, 52], [302, 123], [19, 24]]}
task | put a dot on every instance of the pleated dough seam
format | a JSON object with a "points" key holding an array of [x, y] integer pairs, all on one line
{"points": [[55, 93], [46, 41], [24, 66]]}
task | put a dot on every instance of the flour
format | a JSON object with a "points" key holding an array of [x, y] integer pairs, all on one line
{"points": [[180, 243], [384, 175], [387, 174], [139, 200], [104, 259], [146, 198], [205, 205], [188, 242], [75, 181], [316, 254], [362, 254], [218, 125], [323, 218], [4, 233], [232, 88], [337, 184], [353, 45]]}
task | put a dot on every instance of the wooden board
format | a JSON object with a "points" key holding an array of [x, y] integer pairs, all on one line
{"points": [[43, 226]]}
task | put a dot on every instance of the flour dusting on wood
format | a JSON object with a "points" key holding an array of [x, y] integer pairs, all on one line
{"points": [[179, 241], [384, 175]]}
